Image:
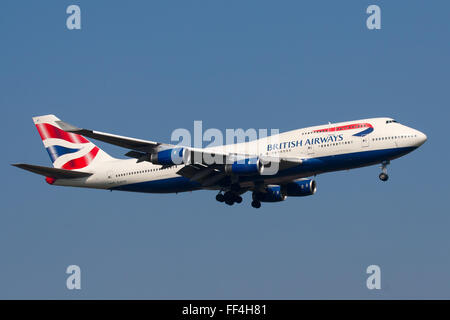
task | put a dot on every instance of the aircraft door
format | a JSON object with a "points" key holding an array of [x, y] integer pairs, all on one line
{"points": [[310, 149], [110, 177], [365, 141]]}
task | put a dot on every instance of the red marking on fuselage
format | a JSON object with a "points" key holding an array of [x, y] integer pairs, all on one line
{"points": [[346, 127]]}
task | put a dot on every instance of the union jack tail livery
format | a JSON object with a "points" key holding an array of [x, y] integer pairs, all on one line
{"points": [[67, 150]]}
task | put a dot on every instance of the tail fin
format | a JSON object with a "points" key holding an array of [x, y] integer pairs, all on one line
{"points": [[68, 151]]}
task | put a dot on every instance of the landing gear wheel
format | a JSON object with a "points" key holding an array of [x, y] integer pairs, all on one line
{"points": [[256, 204], [220, 197], [238, 199], [384, 175], [228, 196]]}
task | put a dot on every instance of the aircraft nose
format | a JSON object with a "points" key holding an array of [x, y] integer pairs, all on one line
{"points": [[422, 138]]}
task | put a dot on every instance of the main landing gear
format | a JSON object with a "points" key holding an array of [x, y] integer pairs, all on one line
{"points": [[383, 175], [256, 204], [229, 198]]}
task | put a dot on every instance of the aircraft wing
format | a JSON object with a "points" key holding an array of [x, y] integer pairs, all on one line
{"points": [[206, 175], [212, 175], [52, 172], [140, 148], [121, 141]]}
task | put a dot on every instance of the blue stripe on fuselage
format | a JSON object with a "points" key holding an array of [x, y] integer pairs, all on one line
{"points": [[309, 167], [177, 184], [363, 133]]}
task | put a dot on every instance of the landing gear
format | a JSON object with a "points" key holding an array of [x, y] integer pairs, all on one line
{"points": [[256, 204], [235, 187], [229, 202], [220, 197], [383, 175], [229, 198]]}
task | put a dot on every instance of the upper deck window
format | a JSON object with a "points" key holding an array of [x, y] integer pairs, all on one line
{"points": [[391, 121]]}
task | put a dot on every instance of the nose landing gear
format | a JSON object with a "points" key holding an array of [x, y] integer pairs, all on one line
{"points": [[383, 175]]}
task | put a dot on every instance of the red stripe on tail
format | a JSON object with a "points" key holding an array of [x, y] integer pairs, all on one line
{"points": [[47, 131], [81, 162]]}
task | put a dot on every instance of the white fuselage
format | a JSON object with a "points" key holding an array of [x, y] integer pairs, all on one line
{"points": [[323, 148]]}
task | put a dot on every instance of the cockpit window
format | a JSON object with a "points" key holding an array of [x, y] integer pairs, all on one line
{"points": [[391, 121]]}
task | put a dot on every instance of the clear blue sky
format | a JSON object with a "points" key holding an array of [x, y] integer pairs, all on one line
{"points": [[144, 68]]}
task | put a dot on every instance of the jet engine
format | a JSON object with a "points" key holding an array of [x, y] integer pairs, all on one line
{"points": [[170, 157], [272, 194], [300, 188], [245, 167]]}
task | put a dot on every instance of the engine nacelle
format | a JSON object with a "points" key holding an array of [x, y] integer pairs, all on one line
{"points": [[272, 194], [170, 157], [245, 167], [301, 188]]}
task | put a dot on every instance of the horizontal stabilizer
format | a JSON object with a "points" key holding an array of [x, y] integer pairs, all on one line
{"points": [[52, 172]]}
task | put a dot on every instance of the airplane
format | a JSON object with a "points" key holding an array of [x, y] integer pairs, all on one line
{"points": [[295, 157]]}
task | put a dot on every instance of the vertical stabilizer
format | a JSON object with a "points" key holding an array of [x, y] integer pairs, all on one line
{"points": [[67, 150]]}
